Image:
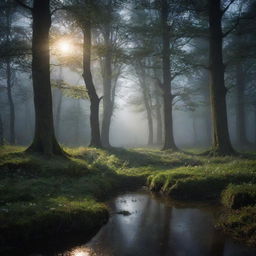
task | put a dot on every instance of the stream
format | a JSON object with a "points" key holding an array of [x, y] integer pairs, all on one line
{"points": [[143, 224]]}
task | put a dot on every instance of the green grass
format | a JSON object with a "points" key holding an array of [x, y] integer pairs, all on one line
{"points": [[205, 181], [45, 197], [240, 224], [238, 196]]}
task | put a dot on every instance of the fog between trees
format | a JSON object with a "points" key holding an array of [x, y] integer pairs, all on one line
{"points": [[164, 73]]}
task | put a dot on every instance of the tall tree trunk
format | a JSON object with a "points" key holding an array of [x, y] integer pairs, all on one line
{"points": [[149, 116], [1, 132], [159, 128], [221, 140], [146, 100], [44, 141], [169, 142], [94, 99], [10, 102], [107, 86], [240, 107]]}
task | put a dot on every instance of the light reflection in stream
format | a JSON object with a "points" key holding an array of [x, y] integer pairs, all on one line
{"points": [[158, 227], [78, 251]]}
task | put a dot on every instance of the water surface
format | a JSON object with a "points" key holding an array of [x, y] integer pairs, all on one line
{"points": [[159, 227]]}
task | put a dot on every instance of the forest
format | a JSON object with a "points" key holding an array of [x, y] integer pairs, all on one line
{"points": [[128, 127]]}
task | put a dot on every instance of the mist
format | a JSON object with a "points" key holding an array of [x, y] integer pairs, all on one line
{"points": [[127, 127]]}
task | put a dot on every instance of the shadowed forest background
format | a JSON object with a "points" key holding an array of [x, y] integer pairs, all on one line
{"points": [[99, 97]]}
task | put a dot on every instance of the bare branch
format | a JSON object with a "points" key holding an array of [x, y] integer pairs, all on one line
{"points": [[227, 7], [24, 5], [232, 28], [100, 98]]}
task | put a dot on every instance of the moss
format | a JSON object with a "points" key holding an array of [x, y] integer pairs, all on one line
{"points": [[197, 188], [51, 198], [204, 181], [241, 224], [58, 193], [237, 196]]}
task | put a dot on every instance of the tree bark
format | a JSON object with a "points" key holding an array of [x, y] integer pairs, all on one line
{"points": [[240, 107], [221, 140], [169, 142], [44, 141], [94, 99]]}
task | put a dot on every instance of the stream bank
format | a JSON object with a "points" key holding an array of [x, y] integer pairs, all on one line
{"points": [[148, 224], [53, 199]]}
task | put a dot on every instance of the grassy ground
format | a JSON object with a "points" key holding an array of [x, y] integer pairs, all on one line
{"points": [[58, 197]]}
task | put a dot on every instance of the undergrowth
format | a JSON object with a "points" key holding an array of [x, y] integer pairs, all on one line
{"points": [[50, 196]]}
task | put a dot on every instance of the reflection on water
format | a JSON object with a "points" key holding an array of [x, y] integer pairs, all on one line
{"points": [[78, 251], [161, 228]]}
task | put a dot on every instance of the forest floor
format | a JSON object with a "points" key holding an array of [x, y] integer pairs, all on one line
{"points": [[57, 198]]}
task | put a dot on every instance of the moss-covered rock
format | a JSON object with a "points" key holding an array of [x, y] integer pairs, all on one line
{"points": [[238, 196], [240, 224]]}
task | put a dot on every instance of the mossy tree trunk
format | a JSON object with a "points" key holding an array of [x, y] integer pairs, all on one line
{"points": [[221, 139], [87, 75], [44, 141], [169, 142]]}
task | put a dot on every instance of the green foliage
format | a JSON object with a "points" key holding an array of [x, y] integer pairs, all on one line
{"points": [[71, 91]]}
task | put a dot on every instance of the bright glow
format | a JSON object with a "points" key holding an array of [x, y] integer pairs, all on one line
{"points": [[80, 252], [65, 47]]}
